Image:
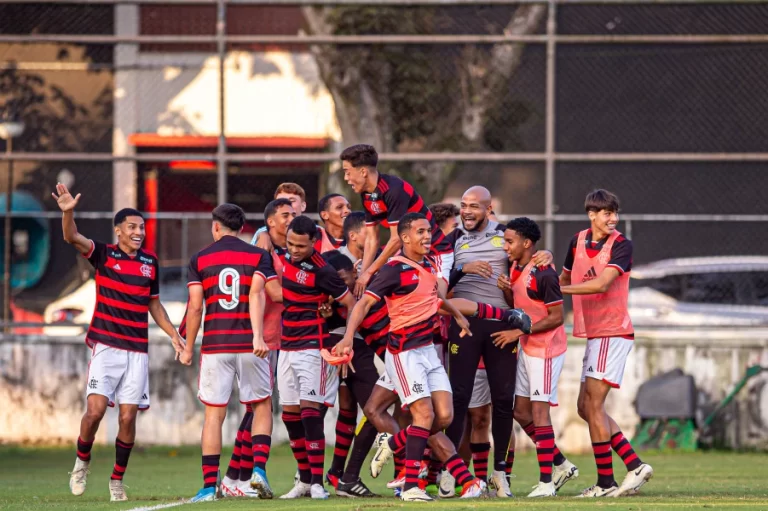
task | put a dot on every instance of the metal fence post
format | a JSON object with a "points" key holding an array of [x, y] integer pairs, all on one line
{"points": [[549, 172], [221, 44], [7, 228]]}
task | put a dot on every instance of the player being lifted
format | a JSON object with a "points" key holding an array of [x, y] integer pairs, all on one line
{"points": [[227, 279], [409, 284], [127, 290], [386, 200], [601, 258], [537, 291]]}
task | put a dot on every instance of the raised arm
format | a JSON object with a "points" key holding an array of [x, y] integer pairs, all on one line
{"points": [[67, 205]]}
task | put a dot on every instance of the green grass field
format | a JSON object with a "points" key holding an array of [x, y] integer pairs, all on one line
{"points": [[37, 479]]}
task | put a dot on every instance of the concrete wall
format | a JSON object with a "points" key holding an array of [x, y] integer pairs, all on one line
{"points": [[42, 390]]}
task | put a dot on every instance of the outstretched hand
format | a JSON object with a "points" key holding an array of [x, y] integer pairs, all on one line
{"points": [[64, 199]]}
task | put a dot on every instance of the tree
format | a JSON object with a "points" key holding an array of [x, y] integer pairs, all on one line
{"points": [[423, 98]]}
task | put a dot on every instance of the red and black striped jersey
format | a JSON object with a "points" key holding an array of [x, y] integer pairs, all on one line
{"points": [[398, 279], [375, 326], [124, 286], [226, 269], [391, 200], [306, 285]]}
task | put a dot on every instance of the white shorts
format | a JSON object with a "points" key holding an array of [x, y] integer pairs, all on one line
{"points": [[416, 373], [443, 264], [304, 375], [537, 377], [219, 370], [481, 391], [605, 358], [385, 381], [120, 375]]}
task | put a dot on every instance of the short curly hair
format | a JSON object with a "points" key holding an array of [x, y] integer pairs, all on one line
{"points": [[526, 228]]}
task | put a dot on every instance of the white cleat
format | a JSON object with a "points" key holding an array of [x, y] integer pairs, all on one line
{"points": [[474, 489], [116, 491], [298, 491], [244, 490], [447, 487], [78, 478], [316, 491], [543, 490], [563, 473], [416, 494], [596, 491], [382, 456], [634, 480], [229, 487], [499, 482]]}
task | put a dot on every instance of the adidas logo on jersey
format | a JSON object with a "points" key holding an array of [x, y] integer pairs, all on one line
{"points": [[116, 267], [591, 274]]}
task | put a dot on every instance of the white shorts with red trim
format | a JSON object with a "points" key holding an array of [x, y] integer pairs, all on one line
{"points": [[305, 376], [385, 381], [605, 359], [416, 373], [481, 391], [537, 377], [218, 372], [121, 376]]}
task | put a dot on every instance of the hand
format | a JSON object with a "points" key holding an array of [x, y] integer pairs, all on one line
{"points": [[64, 199], [343, 369], [325, 310], [480, 268], [260, 348], [542, 258], [179, 345], [503, 283], [362, 283], [501, 339], [464, 325], [185, 357], [343, 347], [264, 242]]}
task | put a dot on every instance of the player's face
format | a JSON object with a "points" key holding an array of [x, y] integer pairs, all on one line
{"points": [[358, 238], [514, 245], [419, 237], [449, 226], [604, 222], [130, 233], [281, 220], [298, 204], [354, 176], [473, 212], [300, 246], [349, 278], [338, 210]]}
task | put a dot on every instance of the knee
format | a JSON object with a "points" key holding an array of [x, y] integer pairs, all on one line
{"points": [[94, 414], [442, 421], [480, 420], [582, 409], [425, 418], [522, 417], [127, 419]]}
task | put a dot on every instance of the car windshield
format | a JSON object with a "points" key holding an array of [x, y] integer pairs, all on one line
{"points": [[733, 288]]}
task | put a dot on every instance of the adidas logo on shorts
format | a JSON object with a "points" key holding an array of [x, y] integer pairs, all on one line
{"points": [[312, 392]]}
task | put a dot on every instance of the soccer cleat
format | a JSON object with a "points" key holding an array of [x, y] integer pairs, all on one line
{"points": [[260, 484], [597, 491], [500, 483], [204, 495], [116, 491], [298, 491], [78, 478], [415, 494], [563, 473], [296, 478], [229, 488], [447, 488], [382, 456], [397, 482], [397, 492], [244, 490], [543, 490], [332, 479], [354, 489], [634, 480], [316, 491], [473, 489], [519, 320]]}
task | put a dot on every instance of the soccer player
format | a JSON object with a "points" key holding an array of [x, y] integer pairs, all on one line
{"points": [[354, 238], [601, 258], [305, 380], [127, 290], [294, 193], [537, 290], [334, 208], [227, 279], [408, 283], [445, 216], [479, 260], [386, 200]]}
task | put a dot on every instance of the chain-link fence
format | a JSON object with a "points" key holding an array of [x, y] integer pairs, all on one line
{"points": [[173, 107]]}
